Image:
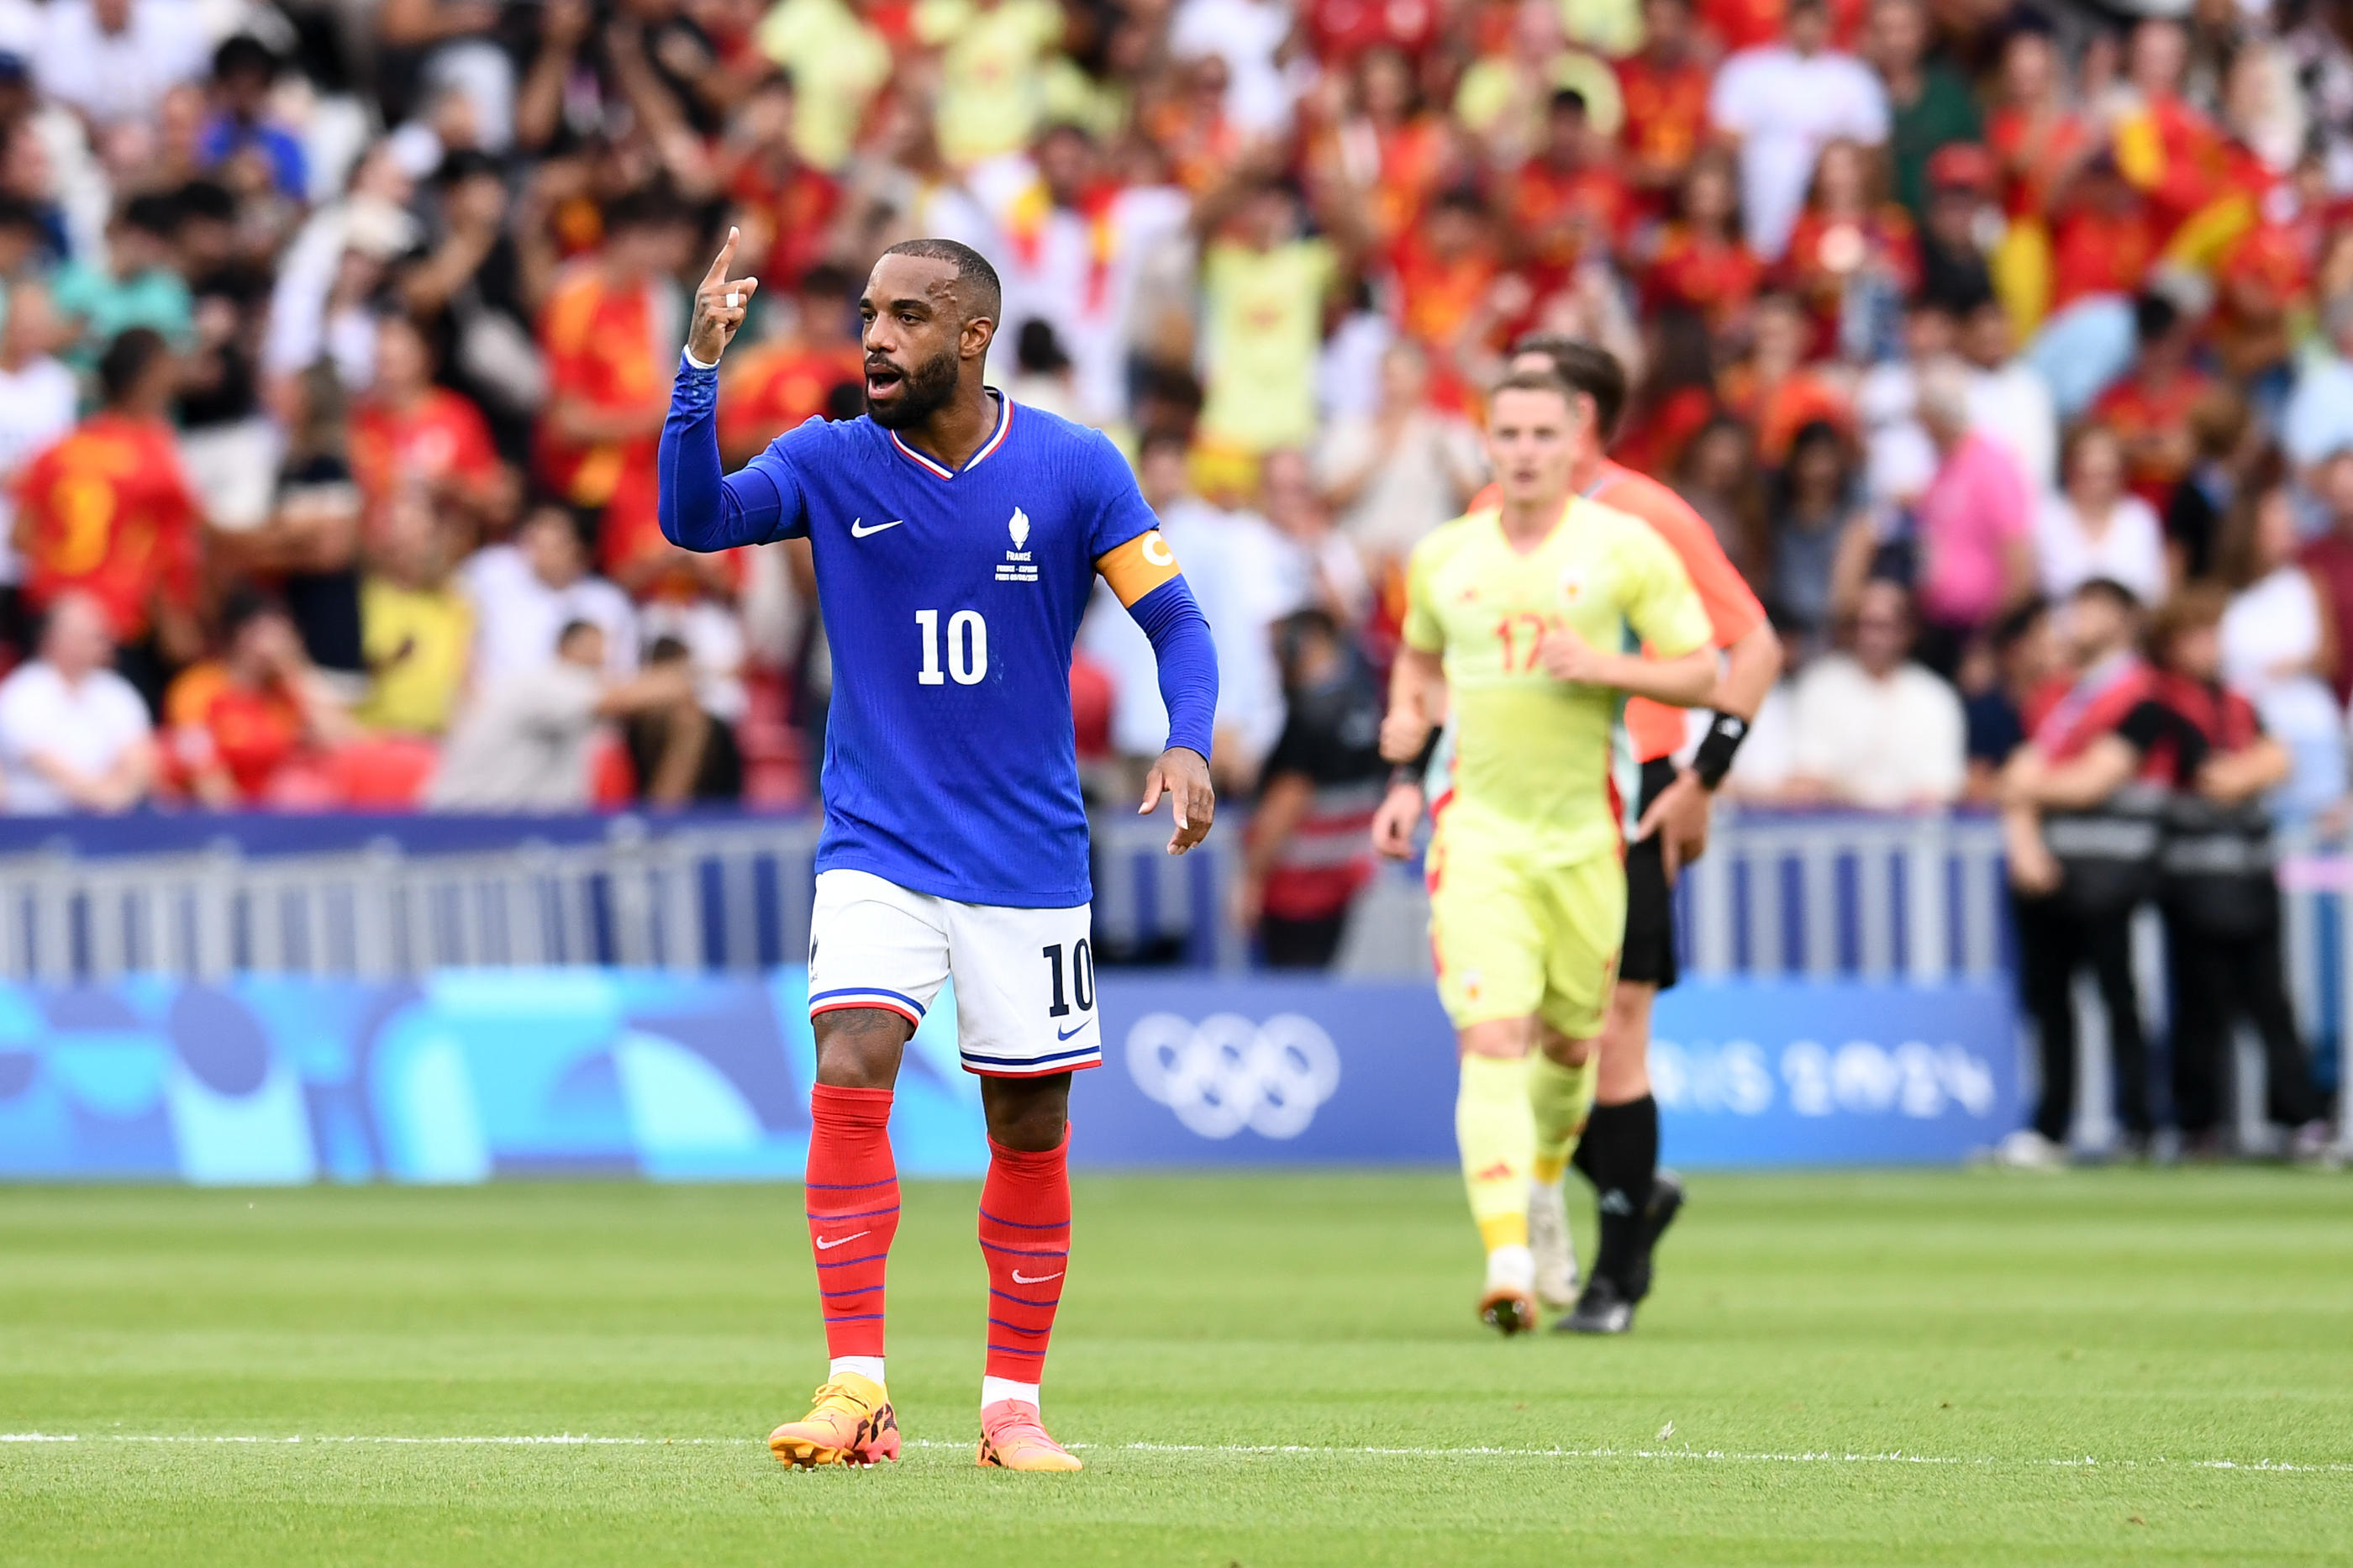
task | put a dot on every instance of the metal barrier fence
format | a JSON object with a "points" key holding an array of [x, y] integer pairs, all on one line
{"points": [[710, 895], [1816, 895]]}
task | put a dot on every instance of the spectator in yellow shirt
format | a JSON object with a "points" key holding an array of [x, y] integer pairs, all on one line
{"points": [[416, 628]]}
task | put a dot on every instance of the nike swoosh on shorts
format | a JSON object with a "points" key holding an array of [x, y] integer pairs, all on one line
{"points": [[1066, 1034]]}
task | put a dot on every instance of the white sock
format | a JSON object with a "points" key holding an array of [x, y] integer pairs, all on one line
{"points": [[993, 1389], [1512, 1267], [869, 1366]]}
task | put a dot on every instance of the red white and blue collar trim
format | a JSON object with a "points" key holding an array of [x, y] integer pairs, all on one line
{"points": [[941, 470]]}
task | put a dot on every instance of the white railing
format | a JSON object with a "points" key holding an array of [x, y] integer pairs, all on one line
{"points": [[732, 895]]}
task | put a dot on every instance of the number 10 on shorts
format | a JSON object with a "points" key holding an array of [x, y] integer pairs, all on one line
{"points": [[967, 648], [1083, 978]]}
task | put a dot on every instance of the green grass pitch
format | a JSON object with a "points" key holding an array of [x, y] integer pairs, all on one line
{"points": [[1948, 1368]]}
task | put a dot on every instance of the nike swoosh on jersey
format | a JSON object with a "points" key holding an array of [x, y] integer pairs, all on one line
{"points": [[1066, 1034], [1021, 1279], [858, 529], [824, 1245]]}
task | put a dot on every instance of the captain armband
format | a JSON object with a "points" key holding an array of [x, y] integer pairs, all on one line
{"points": [[1137, 567]]}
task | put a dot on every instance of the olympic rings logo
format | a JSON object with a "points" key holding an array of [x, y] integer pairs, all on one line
{"points": [[1227, 1073]]}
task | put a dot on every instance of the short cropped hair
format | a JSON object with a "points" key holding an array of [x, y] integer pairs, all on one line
{"points": [[984, 294], [126, 360], [1535, 381], [2108, 588], [1588, 368]]}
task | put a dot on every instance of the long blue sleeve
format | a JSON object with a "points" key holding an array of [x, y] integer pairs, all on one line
{"points": [[703, 508], [1188, 662]]}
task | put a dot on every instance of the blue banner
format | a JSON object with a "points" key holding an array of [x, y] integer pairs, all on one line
{"points": [[478, 1074], [1303, 1072]]}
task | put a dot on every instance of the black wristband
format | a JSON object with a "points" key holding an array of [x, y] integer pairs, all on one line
{"points": [[1717, 747], [1416, 771]]}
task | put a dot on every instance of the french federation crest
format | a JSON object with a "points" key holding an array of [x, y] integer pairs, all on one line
{"points": [[1018, 567]]}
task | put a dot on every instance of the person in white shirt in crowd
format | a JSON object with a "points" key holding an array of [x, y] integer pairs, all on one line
{"points": [[74, 735], [525, 591], [1348, 366], [1232, 560], [1871, 728], [2317, 419], [1899, 459], [115, 59], [1783, 103], [1394, 475], [1072, 260], [39, 400], [1321, 568], [1248, 36], [2094, 527], [525, 744], [2280, 645], [2009, 399]]}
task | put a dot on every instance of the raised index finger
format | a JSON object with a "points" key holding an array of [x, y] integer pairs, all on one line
{"points": [[718, 273]]}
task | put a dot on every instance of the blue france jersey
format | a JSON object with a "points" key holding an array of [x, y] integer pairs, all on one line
{"points": [[950, 601]]}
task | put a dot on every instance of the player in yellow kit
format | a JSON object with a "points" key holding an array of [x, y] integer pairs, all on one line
{"points": [[1530, 616]]}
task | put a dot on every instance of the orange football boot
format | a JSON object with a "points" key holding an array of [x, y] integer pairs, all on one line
{"points": [[1507, 1308], [851, 1423], [1011, 1438]]}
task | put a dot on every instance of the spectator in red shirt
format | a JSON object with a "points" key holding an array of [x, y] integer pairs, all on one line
{"points": [[1341, 31], [1445, 265], [1565, 204], [1664, 87], [1777, 390], [2102, 238], [2165, 147], [2038, 143], [1392, 144], [245, 728], [108, 513], [1737, 25], [610, 333], [408, 432], [785, 205], [1702, 261], [780, 384], [1850, 236], [2149, 409]]}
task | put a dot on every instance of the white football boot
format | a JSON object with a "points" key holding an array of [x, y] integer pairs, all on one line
{"points": [[1554, 1247]]}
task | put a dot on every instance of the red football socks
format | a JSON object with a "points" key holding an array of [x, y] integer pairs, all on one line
{"points": [[1025, 1235], [853, 1211]]}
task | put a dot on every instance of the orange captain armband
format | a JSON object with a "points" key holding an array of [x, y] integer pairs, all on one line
{"points": [[1135, 568]]}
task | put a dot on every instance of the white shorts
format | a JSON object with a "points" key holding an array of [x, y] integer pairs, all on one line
{"points": [[1024, 979]]}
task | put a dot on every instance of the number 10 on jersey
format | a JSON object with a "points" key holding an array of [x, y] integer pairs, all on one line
{"points": [[967, 648]]}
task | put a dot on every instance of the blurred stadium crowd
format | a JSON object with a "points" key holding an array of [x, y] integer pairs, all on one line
{"points": [[338, 338]]}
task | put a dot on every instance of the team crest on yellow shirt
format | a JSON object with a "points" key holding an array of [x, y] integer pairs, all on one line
{"points": [[1572, 584]]}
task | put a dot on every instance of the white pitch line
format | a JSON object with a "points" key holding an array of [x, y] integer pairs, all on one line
{"points": [[1715, 1456]]}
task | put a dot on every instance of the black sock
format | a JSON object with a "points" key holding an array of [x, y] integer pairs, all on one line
{"points": [[1619, 1153]]}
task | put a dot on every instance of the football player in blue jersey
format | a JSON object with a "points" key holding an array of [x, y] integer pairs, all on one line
{"points": [[956, 537]]}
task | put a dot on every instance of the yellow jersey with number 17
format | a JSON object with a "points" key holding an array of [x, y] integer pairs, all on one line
{"points": [[1532, 755]]}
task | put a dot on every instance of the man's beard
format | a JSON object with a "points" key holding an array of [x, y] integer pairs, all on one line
{"points": [[921, 392]]}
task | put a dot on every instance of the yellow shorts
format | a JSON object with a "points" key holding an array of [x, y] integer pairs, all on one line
{"points": [[1515, 935]]}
